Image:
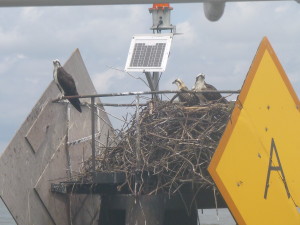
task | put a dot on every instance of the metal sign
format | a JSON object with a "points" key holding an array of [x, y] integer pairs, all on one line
{"points": [[257, 163]]}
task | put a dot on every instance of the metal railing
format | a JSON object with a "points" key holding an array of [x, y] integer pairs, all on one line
{"points": [[137, 105]]}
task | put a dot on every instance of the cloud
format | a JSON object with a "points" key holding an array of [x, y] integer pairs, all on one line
{"points": [[31, 14], [281, 9], [7, 62], [103, 81], [9, 39], [30, 38], [187, 35]]}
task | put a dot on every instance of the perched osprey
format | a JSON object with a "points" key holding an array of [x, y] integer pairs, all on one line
{"points": [[65, 84], [200, 96], [201, 85], [188, 98]]}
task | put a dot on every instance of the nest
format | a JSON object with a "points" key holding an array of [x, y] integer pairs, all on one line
{"points": [[171, 145]]}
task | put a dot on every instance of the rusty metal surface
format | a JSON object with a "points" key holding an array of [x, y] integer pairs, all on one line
{"points": [[28, 165]]}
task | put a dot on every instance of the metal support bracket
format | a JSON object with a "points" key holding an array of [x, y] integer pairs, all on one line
{"points": [[153, 81]]}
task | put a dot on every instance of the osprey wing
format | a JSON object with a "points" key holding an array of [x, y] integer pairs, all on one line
{"points": [[189, 98], [210, 87], [213, 96], [67, 82]]}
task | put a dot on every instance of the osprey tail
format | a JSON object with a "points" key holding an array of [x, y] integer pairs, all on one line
{"points": [[76, 103]]}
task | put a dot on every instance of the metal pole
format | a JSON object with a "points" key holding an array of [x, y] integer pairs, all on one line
{"points": [[69, 171], [155, 78], [152, 84], [119, 105], [138, 134], [146, 93], [138, 148], [93, 137]]}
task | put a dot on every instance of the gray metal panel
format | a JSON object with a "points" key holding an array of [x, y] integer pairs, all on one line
{"points": [[38, 132], [25, 176], [21, 168], [56, 204], [5, 3], [78, 154], [83, 129]]}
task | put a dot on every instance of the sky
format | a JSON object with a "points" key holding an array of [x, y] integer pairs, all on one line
{"points": [[31, 37]]}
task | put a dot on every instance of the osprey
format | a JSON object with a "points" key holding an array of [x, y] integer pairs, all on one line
{"points": [[200, 96], [65, 84], [201, 85], [188, 98]]}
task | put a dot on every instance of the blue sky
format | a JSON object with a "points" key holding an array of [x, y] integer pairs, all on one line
{"points": [[31, 37]]}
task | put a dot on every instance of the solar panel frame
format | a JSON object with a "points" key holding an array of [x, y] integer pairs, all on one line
{"points": [[149, 53]]}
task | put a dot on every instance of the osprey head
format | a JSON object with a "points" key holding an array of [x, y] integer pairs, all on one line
{"points": [[179, 84], [177, 81], [200, 76], [56, 63]]}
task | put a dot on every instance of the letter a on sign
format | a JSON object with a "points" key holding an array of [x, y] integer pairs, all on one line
{"points": [[275, 168]]}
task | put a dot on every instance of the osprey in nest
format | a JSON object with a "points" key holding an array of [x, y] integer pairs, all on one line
{"points": [[201, 85], [65, 84], [188, 98]]}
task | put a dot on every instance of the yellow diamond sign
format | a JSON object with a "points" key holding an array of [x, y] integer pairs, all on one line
{"points": [[257, 163]]}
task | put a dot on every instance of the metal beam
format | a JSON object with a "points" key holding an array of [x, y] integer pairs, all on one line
{"points": [[145, 93], [17, 3], [93, 111]]}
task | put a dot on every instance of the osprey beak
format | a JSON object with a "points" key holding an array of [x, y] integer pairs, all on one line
{"points": [[176, 81]]}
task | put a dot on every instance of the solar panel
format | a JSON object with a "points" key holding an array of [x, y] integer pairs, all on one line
{"points": [[149, 53]]}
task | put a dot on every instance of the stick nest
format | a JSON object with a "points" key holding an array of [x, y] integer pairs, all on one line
{"points": [[171, 144]]}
